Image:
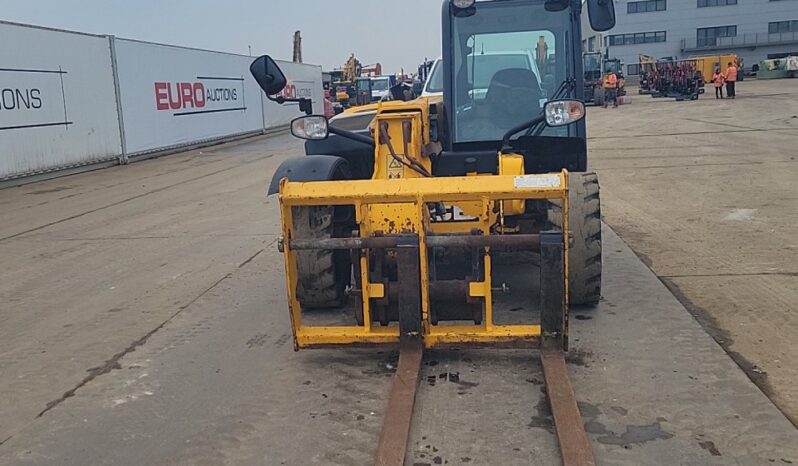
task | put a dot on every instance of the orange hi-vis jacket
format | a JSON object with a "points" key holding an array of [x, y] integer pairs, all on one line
{"points": [[718, 79], [731, 73], [611, 82]]}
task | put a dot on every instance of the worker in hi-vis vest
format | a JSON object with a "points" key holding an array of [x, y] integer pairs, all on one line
{"points": [[611, 89], [731, 79], [717, 81]]}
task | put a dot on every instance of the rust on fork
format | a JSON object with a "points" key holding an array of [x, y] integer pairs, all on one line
{"points": [[399, 413]]}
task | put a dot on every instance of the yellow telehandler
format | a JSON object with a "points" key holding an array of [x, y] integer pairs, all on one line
{"points": [[408, 223]]}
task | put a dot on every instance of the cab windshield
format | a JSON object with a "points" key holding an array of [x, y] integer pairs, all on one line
{"points": [[509, 58], [435, 81], [380, 84], [613, 66], [591, 66]]}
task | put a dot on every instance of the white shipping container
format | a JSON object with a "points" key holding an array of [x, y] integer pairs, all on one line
{"points": [[57, 100]]}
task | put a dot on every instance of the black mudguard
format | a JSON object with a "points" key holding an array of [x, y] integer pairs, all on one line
{"points": [[360, 156], [311, 168]]}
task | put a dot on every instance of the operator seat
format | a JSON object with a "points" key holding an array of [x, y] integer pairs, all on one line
{"points": [[513, 97]]}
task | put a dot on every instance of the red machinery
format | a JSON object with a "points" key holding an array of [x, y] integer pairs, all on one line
{"points": [[371, 70], [679, 79]]}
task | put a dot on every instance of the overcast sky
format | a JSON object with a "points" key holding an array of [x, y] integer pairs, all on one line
{"points": [[394, 33]]}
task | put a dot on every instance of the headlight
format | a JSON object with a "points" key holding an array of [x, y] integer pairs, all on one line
{"points": [[312, 127], [462, 4], [564, 112]]}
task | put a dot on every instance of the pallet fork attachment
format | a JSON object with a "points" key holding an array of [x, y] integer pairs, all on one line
{"points": [[395, 217]]}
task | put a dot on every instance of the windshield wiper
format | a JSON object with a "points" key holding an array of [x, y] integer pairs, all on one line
{"points": [[564, 90]]}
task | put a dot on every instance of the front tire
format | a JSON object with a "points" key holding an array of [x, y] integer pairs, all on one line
{"points": [[322, 274], [584, 254]]}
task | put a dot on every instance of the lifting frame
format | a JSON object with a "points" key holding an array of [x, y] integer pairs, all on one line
{"points": [[411, 241]]}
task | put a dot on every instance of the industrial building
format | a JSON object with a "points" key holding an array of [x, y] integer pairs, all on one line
{"points": [[752, 29]]}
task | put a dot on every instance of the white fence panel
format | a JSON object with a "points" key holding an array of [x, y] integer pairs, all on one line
{"points": [[173, 96], [303, 81], [57, 101], [59, 91]]}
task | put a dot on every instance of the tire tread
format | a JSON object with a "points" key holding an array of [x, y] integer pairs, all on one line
{"points": [[585, 254]]}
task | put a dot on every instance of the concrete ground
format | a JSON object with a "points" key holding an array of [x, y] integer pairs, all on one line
{"points": [[705, 193], [143, 321]]}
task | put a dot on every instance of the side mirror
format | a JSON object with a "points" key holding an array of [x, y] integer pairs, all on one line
{"points": [[311, 127], [602, 14], [268, 75], [564, 112]]}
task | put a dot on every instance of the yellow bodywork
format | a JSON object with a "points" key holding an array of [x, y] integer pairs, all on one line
{"points": [[396, 202], [391, 105], [341, 96], [708, 63]]}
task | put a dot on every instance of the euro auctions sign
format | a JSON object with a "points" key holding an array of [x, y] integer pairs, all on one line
{"points": [[33, 98], [173, 96], [296, 89], [205, 94]]}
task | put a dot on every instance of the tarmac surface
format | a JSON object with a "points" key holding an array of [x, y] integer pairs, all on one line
{"points": [[143, 321], [706, 193]]}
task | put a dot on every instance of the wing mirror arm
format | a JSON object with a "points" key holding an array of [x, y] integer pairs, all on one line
{"points": [[506, 147], [305, 104], [317, 128], [353, 136], [556, 113]]}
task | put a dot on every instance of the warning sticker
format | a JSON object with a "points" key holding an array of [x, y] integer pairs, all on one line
{"points": [[537, 181], [394, 169]]}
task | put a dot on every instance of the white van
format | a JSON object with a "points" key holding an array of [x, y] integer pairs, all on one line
{"points": [[485, 65], [380, 88]]}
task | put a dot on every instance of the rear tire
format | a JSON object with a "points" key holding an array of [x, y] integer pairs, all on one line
{"points": [[584, 254]]}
